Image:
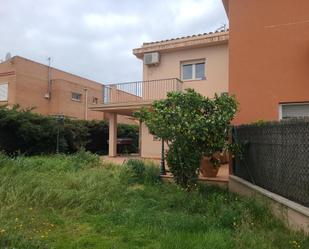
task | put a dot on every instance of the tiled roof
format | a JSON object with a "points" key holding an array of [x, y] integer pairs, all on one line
{"points": [[185, 37]]}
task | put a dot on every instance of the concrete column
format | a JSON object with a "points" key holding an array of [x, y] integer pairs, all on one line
{"points": [[112, 146]]}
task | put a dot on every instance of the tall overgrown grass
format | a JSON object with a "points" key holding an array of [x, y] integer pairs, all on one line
{"points": [[79, 202]]}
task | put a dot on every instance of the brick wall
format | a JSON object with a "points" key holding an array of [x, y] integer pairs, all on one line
{"points": [[29, 84]]}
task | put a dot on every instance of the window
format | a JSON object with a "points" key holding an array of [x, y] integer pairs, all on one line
{"points": [[106, 94], [4, 87], [76, 96], [193, 71], [294, 110], [200, 70], [187, 72], [95, 100]]}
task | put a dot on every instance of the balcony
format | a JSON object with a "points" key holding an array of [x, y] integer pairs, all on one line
{"points": [[139, 92]]}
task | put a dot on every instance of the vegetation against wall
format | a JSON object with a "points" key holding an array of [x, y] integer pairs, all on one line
{"points": [[275, 156], [98, 137], [193, 125], [24, 132]]}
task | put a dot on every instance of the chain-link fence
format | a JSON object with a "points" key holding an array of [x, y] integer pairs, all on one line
{"points": [[275, 157]]}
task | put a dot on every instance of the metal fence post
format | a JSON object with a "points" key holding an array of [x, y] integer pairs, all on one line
{"points": [[162, 164]]}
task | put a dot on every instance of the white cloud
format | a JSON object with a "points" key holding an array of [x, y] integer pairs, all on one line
{"points": [[109, 20], [32, 34], [188, 10], [95, 38]]}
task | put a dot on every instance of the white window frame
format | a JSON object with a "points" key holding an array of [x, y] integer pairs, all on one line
{"points": [[7, 93], [193, 63], [289, 104], [74, 99]]}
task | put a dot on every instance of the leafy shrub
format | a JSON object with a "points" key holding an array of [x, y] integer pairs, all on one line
{"points": [[134, 169], [24, 132], [98, 136], [193, 126], [151, 174], [183, 161], [140, 171], [137, 167], [84, 159]]}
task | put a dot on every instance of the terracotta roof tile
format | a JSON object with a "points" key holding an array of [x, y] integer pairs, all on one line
{"points": [[185, 37]]}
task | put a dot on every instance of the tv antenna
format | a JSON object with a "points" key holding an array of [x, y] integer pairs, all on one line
{"points": [[221, 28], [8, 56]]}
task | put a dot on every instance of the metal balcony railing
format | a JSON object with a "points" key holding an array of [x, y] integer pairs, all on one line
{"points": [[140, 91]]}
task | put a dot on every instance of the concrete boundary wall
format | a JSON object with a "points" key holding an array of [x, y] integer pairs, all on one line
{"points": [[213, 181], [294, 215]]}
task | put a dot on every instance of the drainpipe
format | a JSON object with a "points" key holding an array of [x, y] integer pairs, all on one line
{"points": [[48, 95], [86, 103]]}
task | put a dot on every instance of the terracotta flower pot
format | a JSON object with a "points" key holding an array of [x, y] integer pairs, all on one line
{"points": [[207, 168], [224, 157]]}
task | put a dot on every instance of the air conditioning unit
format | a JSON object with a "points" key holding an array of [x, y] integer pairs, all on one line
{"points": [[152, 58]]}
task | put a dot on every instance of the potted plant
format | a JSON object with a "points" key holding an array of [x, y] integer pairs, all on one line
{"points": [[209, 166]]}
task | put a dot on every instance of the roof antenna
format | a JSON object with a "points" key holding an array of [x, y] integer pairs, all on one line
{"points": [[221, 28], [8, 56]]}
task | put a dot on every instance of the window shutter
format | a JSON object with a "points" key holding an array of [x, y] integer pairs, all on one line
{"points": [[295, 111]]}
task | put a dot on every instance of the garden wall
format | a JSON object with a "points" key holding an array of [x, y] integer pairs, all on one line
{"points": [[292, 214]]}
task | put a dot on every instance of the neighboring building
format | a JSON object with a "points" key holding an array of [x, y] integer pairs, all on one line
{"points": [[269, 58], [198, 61], [48, 90]]}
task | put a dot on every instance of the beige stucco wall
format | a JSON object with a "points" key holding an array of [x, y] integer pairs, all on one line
{"points": [[216, 72], [216, 69], [149, 147]]}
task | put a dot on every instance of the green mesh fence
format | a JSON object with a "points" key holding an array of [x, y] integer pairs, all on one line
{"points": [[275, 157]]}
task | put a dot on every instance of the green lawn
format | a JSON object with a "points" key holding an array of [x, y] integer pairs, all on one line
{"points": [[75, 202]]}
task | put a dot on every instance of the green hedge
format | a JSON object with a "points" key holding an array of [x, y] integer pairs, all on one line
{"points": [[98, 136], [24, 132]]}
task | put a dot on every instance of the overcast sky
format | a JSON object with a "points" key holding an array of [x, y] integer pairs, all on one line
{"points": [[95, 38]]}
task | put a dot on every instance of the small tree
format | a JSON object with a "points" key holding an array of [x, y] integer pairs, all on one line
{"points": [[193, 126]]}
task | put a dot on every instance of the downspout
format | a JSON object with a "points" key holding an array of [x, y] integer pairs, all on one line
{"points": [[86, 103], [48, 94]]}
